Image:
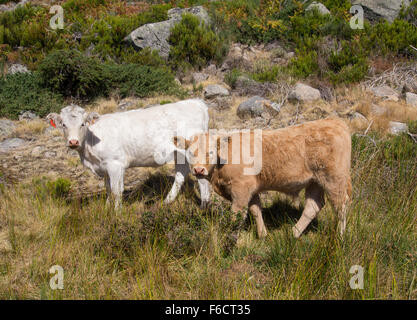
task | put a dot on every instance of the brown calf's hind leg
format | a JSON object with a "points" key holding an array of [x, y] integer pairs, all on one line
{"points": [[255, 208], [313, 204], [339, 195]]}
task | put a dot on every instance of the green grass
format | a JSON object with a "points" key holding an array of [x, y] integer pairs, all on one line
{"points": [[155, 251]]}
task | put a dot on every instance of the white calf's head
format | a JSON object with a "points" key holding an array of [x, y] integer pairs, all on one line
{"points": [[73, 121]]}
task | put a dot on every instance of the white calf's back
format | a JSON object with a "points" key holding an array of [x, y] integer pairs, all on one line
{"points": [[134, 137]]}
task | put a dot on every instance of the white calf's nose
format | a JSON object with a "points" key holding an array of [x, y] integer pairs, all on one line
{"points": [[73, 143]]}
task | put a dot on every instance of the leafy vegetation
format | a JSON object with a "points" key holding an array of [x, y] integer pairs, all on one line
{"points": [[24, 91]]}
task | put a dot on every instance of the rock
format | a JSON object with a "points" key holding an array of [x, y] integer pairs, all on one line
{"points": [[397, 128], [28, 115], [124, 104], [49, 154], [302, 92], [219, 103], [12, 6], [257, 107], [411, 99], [385, 92], [6, 127], [381, 9], [326, 93], [377, 110], [17, 68], [358, 116], [177, 81], [290, 55], [199, 77], [245, 86], [9, 144], [37, 151], [155, 35], [199, 11], [215, 90], [321, 8], [211, 69]]}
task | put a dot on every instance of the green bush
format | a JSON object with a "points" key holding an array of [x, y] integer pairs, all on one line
{"points": [[140, 81], [70, 73], [24, 91], [45, 188], [192, 43]]}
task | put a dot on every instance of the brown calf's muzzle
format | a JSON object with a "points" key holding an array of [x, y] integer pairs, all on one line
{"points": [[200, 171]]}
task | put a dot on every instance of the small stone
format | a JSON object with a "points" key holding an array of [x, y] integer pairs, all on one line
{"points": [[397, 128], [321, 8], [28, 115], [199, 77], [36, 151], [411, 99]]}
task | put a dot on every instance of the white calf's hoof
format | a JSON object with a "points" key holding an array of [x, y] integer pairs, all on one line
{"points": [[296, 232]]}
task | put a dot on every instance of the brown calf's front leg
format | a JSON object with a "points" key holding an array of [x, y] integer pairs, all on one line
{"points": [[255, 208]]}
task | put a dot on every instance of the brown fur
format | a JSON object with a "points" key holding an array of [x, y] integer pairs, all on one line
{"points": [[315, 155]]}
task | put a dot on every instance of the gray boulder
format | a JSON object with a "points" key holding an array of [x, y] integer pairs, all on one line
{"points": [[397, 128], [6, 127], [28, 115], [155, 35], [257, 107], [199, 77], [303, 92], [215, 90], [319, 6], [381, 9], [385, 92], [411, 99], [245, 86], [12, 143]]}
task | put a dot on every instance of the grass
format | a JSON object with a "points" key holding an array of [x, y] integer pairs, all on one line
{"points": [[153, 251]]}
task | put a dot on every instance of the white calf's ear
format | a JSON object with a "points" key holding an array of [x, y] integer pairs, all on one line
{"points": [[54, 120], [91, 118]]}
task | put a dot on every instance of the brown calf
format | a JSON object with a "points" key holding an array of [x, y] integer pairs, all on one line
{"points": [[315, 155]]}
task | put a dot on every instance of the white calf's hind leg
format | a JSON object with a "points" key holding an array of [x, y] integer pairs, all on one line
{"points": [[204, 192]]}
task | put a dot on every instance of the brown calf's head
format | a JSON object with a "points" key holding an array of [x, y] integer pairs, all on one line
{"points": [[202, 152]]}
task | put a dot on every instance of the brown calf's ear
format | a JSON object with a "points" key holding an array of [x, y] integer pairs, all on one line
{"points": [[91, 118], [54, 119]]}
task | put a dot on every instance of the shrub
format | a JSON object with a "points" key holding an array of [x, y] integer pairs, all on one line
{"points": [[192, 43], [70, 73], [24, 91], [141, 81], [45, 188]]}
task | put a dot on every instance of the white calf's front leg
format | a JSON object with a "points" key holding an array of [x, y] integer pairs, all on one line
{"points": [[204, 192], [115, 173], [181, 171]]}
